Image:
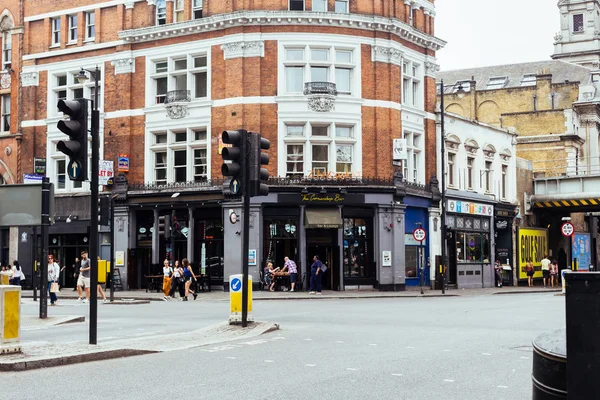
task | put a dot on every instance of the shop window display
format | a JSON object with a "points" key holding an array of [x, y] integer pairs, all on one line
{"points": [[356, 251]]}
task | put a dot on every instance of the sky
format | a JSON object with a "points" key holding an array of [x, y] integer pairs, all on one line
{"points": [[491, 32]]}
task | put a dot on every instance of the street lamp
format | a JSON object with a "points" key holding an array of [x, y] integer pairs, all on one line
{"points": [[82, 78]]}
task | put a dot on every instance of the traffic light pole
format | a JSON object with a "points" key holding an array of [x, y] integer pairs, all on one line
{"points": [[246, 219], [44, 238], [94, 214], [443, 170]]}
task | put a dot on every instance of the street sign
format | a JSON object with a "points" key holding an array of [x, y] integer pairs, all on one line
{"points": [[235, 186], [419, 234], [399, 150], [567, 229], [105, 172], [233, 218], [74, 169], [236, 285], [123, 163]]}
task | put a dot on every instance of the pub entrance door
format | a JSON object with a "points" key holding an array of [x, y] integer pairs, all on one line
{"points": [[323, 243]]}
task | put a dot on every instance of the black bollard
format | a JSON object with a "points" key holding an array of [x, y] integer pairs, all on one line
{"points": [[549, 374]]}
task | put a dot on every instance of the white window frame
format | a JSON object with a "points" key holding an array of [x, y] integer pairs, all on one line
{"points": [[451, 168], [295, 1], [529, 80], [161, 12], [496, 82], [470, 172], [191, 74], [504, 181], [414, 165], [90, 26], [488, 176], [346, 5], [5, 112], [73, 21], [412, 84], [190, 145], [178, 10], [316, 5], [6, 50], [70, 87], [55, 26], [332, 65], [196, 7]]}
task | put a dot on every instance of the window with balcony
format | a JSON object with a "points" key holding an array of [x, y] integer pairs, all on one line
{"points": [[197, 9], [296, 5], [319, 65], [319, 149], [5, 113], [411, 84], [161, 12], [319, 5], [90, 25], [179, 155], [184, 77], [6, 50], [72, 28], [55, 31], [178, 11]]}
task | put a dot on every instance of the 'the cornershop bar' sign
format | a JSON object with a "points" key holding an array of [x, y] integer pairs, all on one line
{"points": [[468, 207]]}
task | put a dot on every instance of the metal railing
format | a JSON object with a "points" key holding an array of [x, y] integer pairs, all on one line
{"points": [[327, 88], [174, 96], [566, 167]]}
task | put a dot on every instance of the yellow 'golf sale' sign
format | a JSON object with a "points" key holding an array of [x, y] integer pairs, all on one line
{"points": [[533, 244]]}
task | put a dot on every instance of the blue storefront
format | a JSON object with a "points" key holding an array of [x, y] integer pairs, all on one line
{"points": [[416, 253]]}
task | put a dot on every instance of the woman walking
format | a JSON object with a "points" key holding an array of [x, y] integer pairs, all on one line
{"points": [[188, 274], [16, 274], [177, 281], [53, 274], [167, 273]]}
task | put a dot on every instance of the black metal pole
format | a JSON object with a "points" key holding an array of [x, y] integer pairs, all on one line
{"points": [[44, 262], [173, 216], [443, 171], [94, 215], [421, 269], [35, 260], [112, 247], [246, 233]]}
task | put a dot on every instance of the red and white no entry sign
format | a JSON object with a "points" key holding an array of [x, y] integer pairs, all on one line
{"points": [[567, 229], [419, 234]]}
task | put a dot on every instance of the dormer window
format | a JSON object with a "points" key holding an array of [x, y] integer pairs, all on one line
{"points": [[578, 23], [341, 6], [161, 12], [528, 80], [464, 85], [197, 8], [296, 5], [496, 83], [319, 5]]}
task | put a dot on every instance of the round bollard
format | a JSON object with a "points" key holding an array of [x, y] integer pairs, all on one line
{"points": [[549, 374]]}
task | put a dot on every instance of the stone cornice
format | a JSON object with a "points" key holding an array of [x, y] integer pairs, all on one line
{"points": [[283, 18]]}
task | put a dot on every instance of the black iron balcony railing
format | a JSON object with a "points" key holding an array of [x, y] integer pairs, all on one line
{"points": [[175, 96], [326, 88]]}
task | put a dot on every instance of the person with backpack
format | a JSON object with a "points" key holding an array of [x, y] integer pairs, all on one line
{"points": [[316, 274]]}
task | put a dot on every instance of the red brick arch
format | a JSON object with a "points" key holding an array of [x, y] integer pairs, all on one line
{"points": [[5, 173]]}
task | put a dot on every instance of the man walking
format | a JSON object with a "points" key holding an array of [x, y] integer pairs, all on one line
{"points": [[545, 269], [84, 277], [76, 268], [290, 266]]}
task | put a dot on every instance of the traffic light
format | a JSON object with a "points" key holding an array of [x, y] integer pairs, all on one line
{"points": [[234, 158], [175, 227], [103, 210], [164, 226], [258, 175], [76, 127]]}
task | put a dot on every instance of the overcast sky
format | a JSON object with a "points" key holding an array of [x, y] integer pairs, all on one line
{"points": [[490, 32]]}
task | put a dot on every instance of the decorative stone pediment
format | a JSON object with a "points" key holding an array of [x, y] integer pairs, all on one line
{"points": [[124, 65], [243, 49], [431, 69], [386, 55], [587, 92], [30, 79]]}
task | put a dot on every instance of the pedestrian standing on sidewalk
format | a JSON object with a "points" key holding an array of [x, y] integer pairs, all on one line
{"points": [[554, 273], [76, 267], [16, 276], [498, 273], [53, 274], [545, 269], [167, 273], [188, 274], [315, 276], [84, 276], [290, 266], [530, 270]]}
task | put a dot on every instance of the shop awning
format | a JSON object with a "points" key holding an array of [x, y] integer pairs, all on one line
{"points": [[322, 218]]}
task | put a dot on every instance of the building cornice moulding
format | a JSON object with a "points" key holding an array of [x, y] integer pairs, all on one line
{"points": [[386, 54], [283, 18]]}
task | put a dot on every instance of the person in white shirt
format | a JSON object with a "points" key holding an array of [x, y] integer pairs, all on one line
{"points": [[167, 273], [16, 277], [53, 274]]}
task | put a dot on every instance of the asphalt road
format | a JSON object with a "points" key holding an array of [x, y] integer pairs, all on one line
{"points": [[476, 347]]}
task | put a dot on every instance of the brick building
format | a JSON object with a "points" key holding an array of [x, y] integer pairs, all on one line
{"points": [[329, 83]]}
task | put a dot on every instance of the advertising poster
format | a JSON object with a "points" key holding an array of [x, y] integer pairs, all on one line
{"points": [[581, 250], [251, 257], [532, 244]]}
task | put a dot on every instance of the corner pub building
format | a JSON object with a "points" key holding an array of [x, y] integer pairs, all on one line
{"points": [[330, 83]]}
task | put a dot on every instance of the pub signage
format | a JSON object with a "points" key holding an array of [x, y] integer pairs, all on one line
{"points": [[322, 198]]}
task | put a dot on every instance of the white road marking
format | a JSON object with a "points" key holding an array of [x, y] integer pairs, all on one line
{"points": [[372, 344], [485, 354], [396, 374], [339, 341], [448, 380], [269, 361], [232, 358], [447, 351], [524, 358], [308, 339], [351, 369], [311, 365], [410, 347], [503, 387]]}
